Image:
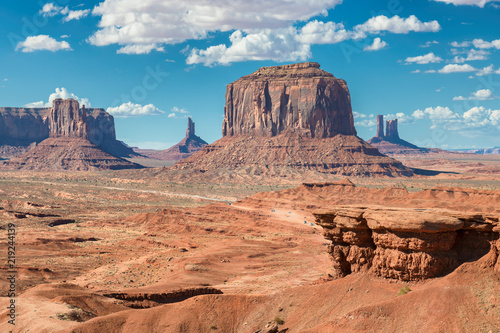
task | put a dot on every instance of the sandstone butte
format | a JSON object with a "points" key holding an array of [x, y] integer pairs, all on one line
{"points": [[21, 127], [390, 143], [68, 146], [294, 117], [185, 148]]}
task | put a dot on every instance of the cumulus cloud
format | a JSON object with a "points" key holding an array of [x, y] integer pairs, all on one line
{"points": [[76, 14], [482, 44], [59, 93], [395, 24], [134, 110], [487, 71], [136, 26], [178, 113], [455, 68], [479, 3], [472, 55], [50, 9], [377, 44], [317, 32], [140, 49], [170, 21], [424, 59], [415, 71], [42, 42], [480, 95], [278, 45], [474, 118], [460, 44]]}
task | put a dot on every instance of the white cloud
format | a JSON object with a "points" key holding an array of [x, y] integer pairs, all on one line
{"points": [[76, 14], [59, 93], [278, 45], [429, 43], [461, 44], [430, 71], [42, 42], [479, 3], [483, 94], [176, 109], [415, 71], [134, 110], [475, 118], [424, 59], [487, 71], [455, 68], [316, 32], [472, 55], [378, 44], [50, 9], [178, 113], [140, 49], [480, 95], [482, 44], [395, 25], [170, 21]]}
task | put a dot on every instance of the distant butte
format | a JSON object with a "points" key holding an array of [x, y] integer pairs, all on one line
{"points": [[68, 147], [185, 148], [390, 142], [291, 117]]}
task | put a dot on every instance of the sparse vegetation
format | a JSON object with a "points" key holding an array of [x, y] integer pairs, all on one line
{"points": [[404, 290], [278, 320]]}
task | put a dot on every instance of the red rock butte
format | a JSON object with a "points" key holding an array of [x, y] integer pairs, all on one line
{"points": [[297, 97], [291, 117]]}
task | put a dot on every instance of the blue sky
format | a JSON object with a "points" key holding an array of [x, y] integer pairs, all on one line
{"points": [[434, 64]]}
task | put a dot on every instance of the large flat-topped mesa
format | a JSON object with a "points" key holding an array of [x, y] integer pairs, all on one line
{"points": [[295, 98]]}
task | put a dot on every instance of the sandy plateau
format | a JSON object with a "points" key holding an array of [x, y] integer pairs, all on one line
{"points": [[130, 251]]}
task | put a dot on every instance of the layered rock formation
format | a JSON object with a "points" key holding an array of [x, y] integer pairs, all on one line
{"points": [[67, 119], [298, 97], [291, 117], [390, 142], [20, 127], [407, 243], [185, 148], [68, 147]]}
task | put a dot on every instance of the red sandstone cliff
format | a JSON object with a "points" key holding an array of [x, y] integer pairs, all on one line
{"points": [[297, 97]]}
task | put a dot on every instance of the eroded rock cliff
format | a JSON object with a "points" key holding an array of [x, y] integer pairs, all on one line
{"points": [[297, 97], [407, 243], [67, 119]]}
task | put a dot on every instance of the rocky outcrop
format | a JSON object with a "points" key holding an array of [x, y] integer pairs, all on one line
{"points": [[407, 243], [291, 117], [21, 127], [297, 97], [67, 119], [185, 148], [390, 142], [391, 130]]}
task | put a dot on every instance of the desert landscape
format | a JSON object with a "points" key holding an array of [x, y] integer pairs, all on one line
{"points": [[286, 219], [260, 231]]}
